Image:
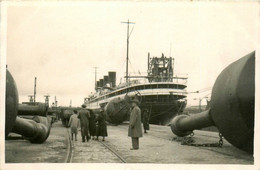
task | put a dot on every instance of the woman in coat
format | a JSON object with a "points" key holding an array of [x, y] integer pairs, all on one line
{"points": [[92, 124], [101, 125], [74, 125]]}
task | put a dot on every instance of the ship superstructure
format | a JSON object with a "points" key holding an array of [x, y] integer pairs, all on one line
{"points": [[160, 91]]}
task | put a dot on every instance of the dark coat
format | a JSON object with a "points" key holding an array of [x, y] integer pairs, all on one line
{"points": [[135, 127], [84, 121], [146, 120], [92, 124], [101, 125], [66, 116]]}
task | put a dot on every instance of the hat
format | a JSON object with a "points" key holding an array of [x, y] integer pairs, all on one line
{"points": [[135, 101], [83, 105]]}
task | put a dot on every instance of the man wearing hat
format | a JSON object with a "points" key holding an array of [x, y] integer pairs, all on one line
{"points": [[135, 128], [145, 120], [84, 122]]}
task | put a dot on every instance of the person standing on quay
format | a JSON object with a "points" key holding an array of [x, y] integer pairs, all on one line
{"points": [[101, 125], [146, 120], [84, 123], [74, 125], [135, 127], [92, 124]]}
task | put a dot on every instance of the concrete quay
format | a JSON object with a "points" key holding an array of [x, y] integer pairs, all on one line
{"points": [[158, 146]]}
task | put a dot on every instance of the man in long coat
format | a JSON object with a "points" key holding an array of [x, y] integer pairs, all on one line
{"points": [[135, 127], [146, 120], [84, 123]]}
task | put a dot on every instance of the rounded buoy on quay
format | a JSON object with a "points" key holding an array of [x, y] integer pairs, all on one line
{"points": [[117, 110], [231, 108], [35, 130], [11, 103]]}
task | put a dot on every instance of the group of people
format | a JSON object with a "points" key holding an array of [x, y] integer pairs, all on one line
{"points": [[91, 125]]}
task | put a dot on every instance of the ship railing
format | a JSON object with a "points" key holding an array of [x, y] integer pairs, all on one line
{"points": [[175, 80], [179, 79], [163, 92], [156, 100]]}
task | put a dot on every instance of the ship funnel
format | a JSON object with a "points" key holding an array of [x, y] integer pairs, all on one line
{"points": [[105, 81], [101, 81], [112, 78], [98, 84]]}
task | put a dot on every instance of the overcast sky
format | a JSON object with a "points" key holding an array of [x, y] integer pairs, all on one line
{"points": [[61, 43]]}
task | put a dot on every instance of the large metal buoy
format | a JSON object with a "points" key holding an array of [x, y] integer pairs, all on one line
{"points": [[35, 130], [65, 114], [39, 109], [231, 107], [117, 110], [11, 103]]}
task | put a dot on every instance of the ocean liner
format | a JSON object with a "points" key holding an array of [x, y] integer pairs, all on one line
{"points": [[160, 91], [163, 94]]}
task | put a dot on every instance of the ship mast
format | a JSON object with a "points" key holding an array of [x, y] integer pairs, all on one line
{"points": [[127, 39], [95, 78], [34, 93]]}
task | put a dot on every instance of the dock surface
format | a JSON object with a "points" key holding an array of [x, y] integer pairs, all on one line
{"points": [[159, 146]]}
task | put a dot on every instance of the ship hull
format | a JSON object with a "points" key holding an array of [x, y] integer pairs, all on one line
{"points": [[163, 103], [162, 113]]}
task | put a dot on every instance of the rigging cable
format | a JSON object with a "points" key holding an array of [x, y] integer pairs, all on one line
{"points": [[131, 31]]}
